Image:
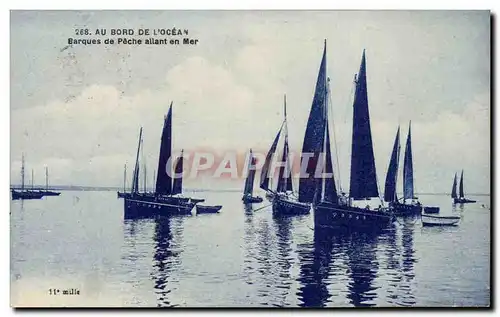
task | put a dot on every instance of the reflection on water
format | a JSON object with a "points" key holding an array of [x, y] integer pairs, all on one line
{"points": [[285, 262], [244, 257], [166, 256]]}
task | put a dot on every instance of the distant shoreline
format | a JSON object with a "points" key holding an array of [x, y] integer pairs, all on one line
{"points": [[105, 188]]}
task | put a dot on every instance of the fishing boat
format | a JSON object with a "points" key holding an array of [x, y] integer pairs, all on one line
{"points": [[248, 197], [284, 200], [135, 174], [201, 209], [24, 193], [167, 198], [460, 199], [431, 220], [48, 192], [124, 192], [329, 209], [409, 205]]}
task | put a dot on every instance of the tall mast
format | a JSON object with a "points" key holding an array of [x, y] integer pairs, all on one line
{"points": [[46, 178], [124, 177], [461, 187], [154, 178], [363, 183], [32, 179], [163, 177], [22, 174], [145, 174], [135, 182], [408, 187], [314, 137]]}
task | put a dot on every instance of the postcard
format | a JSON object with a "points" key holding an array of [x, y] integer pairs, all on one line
{"points": [[250, 159]]}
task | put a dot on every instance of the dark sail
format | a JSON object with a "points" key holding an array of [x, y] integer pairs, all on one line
{"points": [[408, 168], [264, 174], [392, 172], [251, 175], [163, 178], [135, 176], [284, 178], [330, 189], [461, 188], [284, 175], [177, 186], [363, 182], [314, 136], [454, 188]]}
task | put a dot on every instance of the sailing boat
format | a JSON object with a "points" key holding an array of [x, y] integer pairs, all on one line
{"points": [[461, 198], [248, 197], [25, 193], [284, 200], [401, 208], [135, 175], [330, 211], [48, 192], [167, 198]]}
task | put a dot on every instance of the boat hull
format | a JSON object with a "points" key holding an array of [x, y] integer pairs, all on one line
{"points": [[405, 210], [286, 206], [252, 199], [51, 193], [463, 201], [149, 206], [207, 209], [331, 215], [22, 195], [429, 221]]}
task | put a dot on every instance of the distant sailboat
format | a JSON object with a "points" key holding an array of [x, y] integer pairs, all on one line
{"points": [[135, 175], [26, 193], [167, 198], [248, 197], [461, 198], [401, 208], [331, 211], [48, 192], [285, 201]]}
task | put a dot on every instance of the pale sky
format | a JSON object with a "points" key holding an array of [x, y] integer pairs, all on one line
{"points": [[78, 111]]}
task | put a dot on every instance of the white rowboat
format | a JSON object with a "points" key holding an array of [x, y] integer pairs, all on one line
{"points": [[432, 220]]}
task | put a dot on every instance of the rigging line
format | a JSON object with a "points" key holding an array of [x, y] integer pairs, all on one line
{"points": [[350, 101], [276, 156], [263, 207], [335, 138]]}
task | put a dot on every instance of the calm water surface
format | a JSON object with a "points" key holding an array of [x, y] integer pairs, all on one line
{"points": [[240, 258]]}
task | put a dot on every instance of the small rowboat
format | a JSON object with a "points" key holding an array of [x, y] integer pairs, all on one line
{"points": [[247, 199], [428, 220], [431, 210], [200, 209]]}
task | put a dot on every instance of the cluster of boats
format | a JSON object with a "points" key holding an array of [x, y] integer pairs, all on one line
{"points": [[332, 207], [321, 193], [32, 193], [167, 198]]}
